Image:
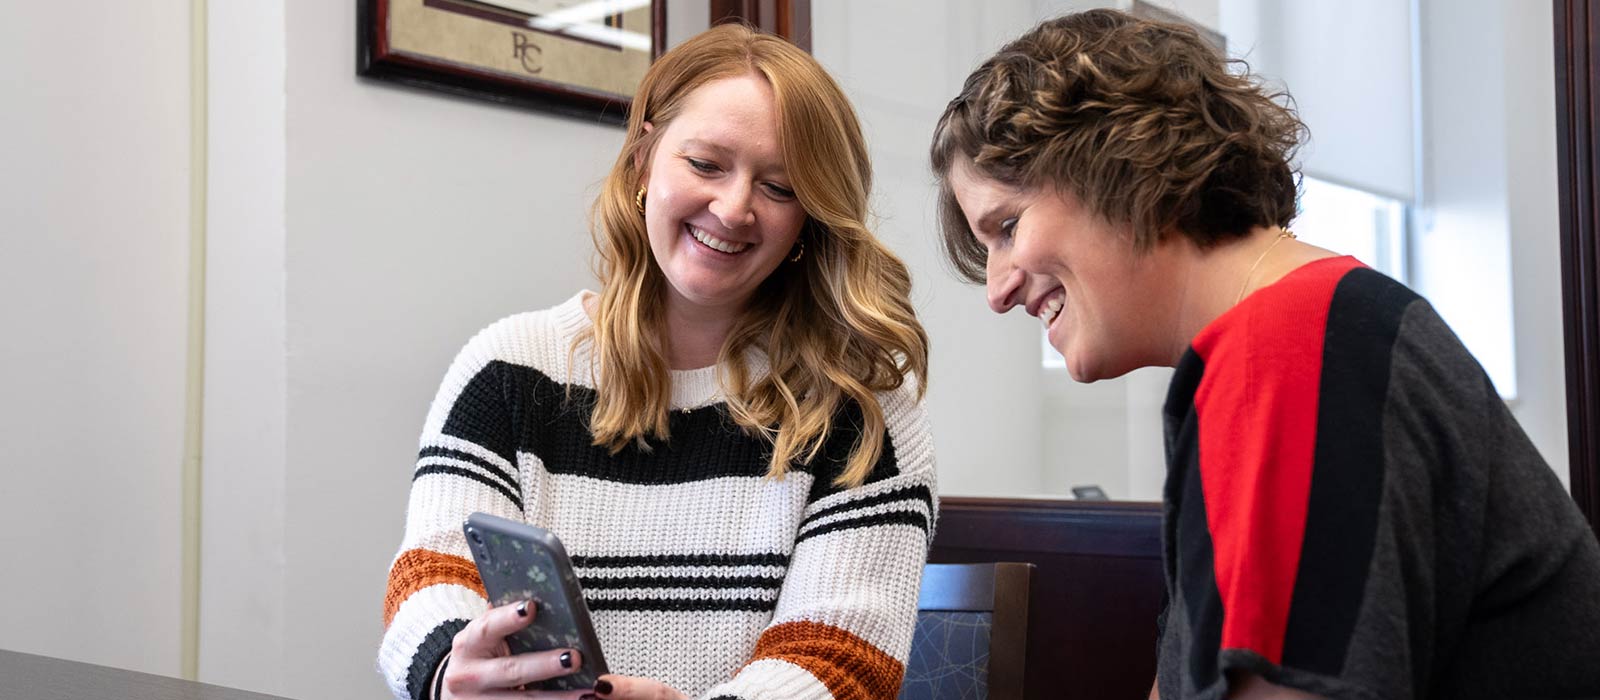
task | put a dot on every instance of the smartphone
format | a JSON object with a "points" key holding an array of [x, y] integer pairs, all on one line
{"points": [[520, 562]]}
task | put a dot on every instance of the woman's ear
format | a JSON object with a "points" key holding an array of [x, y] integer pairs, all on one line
{"points": [[640, 156]]}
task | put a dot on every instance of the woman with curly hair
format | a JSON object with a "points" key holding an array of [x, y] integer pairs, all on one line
{"points": [[1350, 509], [728, 437]]}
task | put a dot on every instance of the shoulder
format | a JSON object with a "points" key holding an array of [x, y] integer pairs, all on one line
{"points": [[1322, 339], [906, 422], [539, 340], [1331, 295], [906, 446], [906, 399], [1334, 306]]}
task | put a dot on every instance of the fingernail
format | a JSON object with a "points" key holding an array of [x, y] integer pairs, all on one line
{"points": [[566, 659], [602, 687], [522, 610]]}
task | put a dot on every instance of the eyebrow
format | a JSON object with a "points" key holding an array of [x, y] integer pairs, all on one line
{"points": [[719, 148], [778, 170], [986, 222]]}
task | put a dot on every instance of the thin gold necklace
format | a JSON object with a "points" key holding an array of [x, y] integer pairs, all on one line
{"points": [[1252, 273]]}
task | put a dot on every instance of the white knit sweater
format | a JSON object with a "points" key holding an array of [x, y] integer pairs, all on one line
{"points": [[700, 572]]}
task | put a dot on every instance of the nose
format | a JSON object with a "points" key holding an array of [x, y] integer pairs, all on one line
{"points": [[732, 205], [1004, 284]]}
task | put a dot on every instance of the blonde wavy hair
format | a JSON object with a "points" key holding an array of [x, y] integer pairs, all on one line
{"points": [[836, 327]]}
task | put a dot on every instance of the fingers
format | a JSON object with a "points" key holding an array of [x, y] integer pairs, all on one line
{"points": [[537, 695], [613, 687], [485, 636], [536, 666], [510, 672], [481, 667]]}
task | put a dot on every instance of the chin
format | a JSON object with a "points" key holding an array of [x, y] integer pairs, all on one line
{"points": [[1081, 376], [1077, 369], [1090, 369], [708, 295]]}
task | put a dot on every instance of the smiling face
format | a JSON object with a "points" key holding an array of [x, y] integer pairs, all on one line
{"points": [[1108, 308], [721, 212]]}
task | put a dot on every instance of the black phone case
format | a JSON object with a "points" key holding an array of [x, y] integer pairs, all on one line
{"points": [[519, 562]]}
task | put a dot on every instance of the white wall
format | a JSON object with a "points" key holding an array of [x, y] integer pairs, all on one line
{"points": [[1535, 230], [413, 220], [94, 230], [242, 564], [360, 233], [1348, 66], [1487, 251], [983, 381], [1460, 249]]}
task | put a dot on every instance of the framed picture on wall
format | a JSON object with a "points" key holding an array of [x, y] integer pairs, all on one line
{"points": [[582, 58]]}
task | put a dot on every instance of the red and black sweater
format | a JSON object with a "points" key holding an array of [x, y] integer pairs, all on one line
{"points": [[1351, 510]]}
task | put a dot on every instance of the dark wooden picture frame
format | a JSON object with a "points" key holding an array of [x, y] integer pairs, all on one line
{"points": [[1577, 59], [790, 19], [378, 57]]}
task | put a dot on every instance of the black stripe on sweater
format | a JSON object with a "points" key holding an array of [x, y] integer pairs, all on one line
{"points": [[908, 493], [469, 474], [1341, 526], [610, 562], [426, 659], [877, 520], [602, 582], [683, 605], [448, 453], [483, 416], [519, 408], [1186, 535]]}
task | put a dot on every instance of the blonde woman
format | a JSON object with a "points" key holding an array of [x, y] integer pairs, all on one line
{"points": [[728, 437]]}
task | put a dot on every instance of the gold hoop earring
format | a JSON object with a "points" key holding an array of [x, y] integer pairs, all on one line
{"points": [[638, 200], [800, 252]]}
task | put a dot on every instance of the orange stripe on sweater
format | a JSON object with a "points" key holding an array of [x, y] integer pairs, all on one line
{"points": [[850, 667], [417, 569]]}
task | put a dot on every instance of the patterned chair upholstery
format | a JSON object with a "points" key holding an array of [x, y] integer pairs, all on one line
{"points": [[971, 633]]}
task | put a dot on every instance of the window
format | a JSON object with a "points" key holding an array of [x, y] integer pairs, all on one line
{"points": [[1353, 222]]}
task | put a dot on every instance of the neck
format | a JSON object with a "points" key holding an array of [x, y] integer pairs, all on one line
{"points": [[695, 334], [1217, 279]]}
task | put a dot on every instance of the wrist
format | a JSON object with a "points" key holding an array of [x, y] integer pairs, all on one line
{"points": [[436, 688]]}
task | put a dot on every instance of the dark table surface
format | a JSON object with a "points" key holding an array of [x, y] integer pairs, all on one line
{"points": [[45, 678]]}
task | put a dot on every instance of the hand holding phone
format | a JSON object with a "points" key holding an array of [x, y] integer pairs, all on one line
{"points": [[520, 563], [479, 667]]}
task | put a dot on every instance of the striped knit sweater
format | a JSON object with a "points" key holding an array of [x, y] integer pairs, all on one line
{"points": [[700, 572]]}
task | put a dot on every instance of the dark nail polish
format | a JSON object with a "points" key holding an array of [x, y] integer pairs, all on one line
{"points": [[566, 659], [522, 610], [602, 687]]}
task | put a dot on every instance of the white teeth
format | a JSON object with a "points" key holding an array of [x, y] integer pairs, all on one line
{"points": [[1051, 309], [717, 243]]}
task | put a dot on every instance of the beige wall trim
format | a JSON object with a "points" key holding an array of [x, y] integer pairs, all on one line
{"points": [[194, 389]]}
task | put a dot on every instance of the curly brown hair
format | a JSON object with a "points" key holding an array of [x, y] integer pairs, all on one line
{"points": [[1141, 121]]}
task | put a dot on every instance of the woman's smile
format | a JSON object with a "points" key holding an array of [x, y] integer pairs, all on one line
{"points": [[714, 243]]}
